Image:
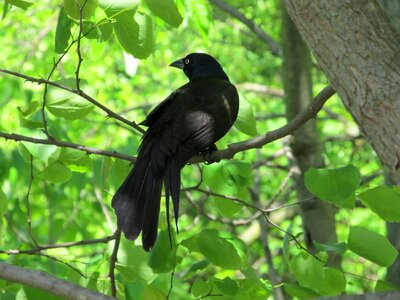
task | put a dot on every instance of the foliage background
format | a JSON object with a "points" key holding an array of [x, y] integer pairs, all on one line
{"points": [[222, 248]]}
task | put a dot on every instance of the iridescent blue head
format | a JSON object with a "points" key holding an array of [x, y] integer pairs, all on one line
{"points": [[200, 65]]}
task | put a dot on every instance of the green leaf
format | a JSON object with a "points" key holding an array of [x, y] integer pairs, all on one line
{"points": [[63, 32], [372, 246], [385, 286], [333, 282], [42, 152], [384, 201], [286, 240], [3, 203], [333, 185], [202, 14], [166, 10], [135, 33], [105, 32], [134, 264], [252, 289], [75, 160], [64, 104], [338, 247], [57, 172], [28, 120], [73, 7], [300, 292], [195, 268], [31, 108], [162, 257], [307, 269], [112, 7], [20, 3], [226, 208], [219, 250], [200, 288], [227, 286], [246, 122], [228, 177], [152, 293]]}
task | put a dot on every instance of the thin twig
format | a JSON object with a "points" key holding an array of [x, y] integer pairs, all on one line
{"points": [[113, 261], [261, 34], [82, 94], [61, 245], [53, 141]]}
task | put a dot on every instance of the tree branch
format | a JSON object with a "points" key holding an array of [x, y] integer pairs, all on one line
{"points": [[53, 141], [61, 245], [261, 140], [80, 93], [48, 283], [272, 45]]}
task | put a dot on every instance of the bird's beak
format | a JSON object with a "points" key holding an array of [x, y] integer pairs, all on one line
{"points": [[178, 64]]}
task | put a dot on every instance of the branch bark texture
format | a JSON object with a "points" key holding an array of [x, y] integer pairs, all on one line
{"points": [[48, 283], [358, 49]]}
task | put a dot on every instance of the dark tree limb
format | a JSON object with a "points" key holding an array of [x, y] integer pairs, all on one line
{"points": [[261, 140], [53, 141], [80, 93], [273, 46], [48, 283]]}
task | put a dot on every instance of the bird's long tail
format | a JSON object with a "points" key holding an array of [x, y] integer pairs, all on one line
{"points": [[137, 203]]}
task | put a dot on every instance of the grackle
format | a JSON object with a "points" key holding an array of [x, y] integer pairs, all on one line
{"points": [[186, 123]]}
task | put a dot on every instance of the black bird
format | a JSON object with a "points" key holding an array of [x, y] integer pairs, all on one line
{"points": [[186, 123]]}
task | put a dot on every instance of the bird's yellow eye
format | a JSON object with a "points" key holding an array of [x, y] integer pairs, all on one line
{"points": [[187, 61]]}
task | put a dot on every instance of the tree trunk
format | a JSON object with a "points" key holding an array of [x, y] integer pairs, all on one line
{"points": [[359, 50], [318, 217]]}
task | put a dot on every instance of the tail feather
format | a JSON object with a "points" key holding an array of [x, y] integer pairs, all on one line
{"points": [[172, 183], [151, 212], [135, 202]]}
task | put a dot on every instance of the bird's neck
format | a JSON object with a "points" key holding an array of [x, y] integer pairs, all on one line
{"points": [[202, 73]]}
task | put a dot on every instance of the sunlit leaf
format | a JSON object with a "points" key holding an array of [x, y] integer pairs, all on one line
{"points": [[56, 172], [135, 33], [372, 246], [384, 201], [200, 288], [246, 121], [300, 292], [333, 282], [65, 104], [162, 256], [333, 185], [219, 250], [307, 269], [385, 286], [227, 177], [20, 3], [152, 293], [73, 7], [3, 203], [63, 33], [227, 286], [166, 10]]}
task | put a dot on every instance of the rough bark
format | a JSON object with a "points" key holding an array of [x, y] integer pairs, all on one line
{"points": [[318, 217], [358, 49], [48, 283]]}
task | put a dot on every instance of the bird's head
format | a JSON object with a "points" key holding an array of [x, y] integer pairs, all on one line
{"points": [[200, 65]]}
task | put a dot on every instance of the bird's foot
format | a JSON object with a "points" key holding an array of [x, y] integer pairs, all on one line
{"points": [[207, 155]]}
